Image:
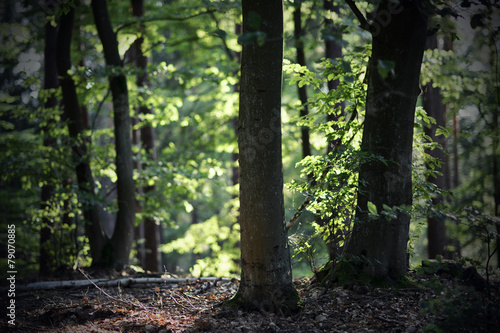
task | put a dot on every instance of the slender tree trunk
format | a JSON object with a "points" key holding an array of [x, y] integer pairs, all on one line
{"points": [[72, 112], [495, 128], [301, 60], [266, 280], [456, 135], [433, 105], [151, 229], [123, 235], [385, 179], [139, 229], [333, 50], [496, 176], [50, 82]]}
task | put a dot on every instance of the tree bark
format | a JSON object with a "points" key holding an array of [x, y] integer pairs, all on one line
{"points": [[399, 35], [433, 105], [266, 280], [333, 50], [151, 229], [301, 60], [123, 235], [496, 176], [72, 112]]}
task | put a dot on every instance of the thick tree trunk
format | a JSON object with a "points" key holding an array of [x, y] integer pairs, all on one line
{"points": [[399, 35], [50, 82], [123, 235], [72, 112], [266, 280]]}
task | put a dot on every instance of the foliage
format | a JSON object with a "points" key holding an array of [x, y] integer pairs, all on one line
{"points": [[329, 181], [460, 306], [192, 91], [332, 185], [467, 78], [214, 241]]}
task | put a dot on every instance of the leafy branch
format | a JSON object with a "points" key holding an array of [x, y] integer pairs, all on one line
{"points": [[162, 18]]}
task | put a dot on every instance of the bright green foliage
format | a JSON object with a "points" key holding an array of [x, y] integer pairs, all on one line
{"points": [[330, 181], [26, 166], [424, 165], [191, 79], [214, 241], [191, 90], [333, 186], [468, 79]]}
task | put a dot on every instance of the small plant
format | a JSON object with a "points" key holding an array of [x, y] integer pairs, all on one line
{"points": [[463, 301], [459, 308]]}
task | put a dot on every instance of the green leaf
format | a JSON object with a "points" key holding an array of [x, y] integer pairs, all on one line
{"points": [[220, 33], [372, 208], [66, 9], [444, 131]]}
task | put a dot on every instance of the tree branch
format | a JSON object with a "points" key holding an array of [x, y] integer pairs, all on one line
{"points": [[362, 20], [164, 18]]}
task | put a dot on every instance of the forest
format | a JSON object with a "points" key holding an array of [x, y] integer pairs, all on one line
{"points": [[261, 145]]}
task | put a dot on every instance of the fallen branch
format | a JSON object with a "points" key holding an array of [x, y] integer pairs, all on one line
{"points": [[389, 321], [118, 299], [123, 282]]}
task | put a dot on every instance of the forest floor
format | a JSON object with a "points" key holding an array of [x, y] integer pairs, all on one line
{"points": [[429, 302]]}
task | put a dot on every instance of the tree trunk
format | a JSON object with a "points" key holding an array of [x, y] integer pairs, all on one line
{"points": [[266, 280], [72, 112], [496, 176], [433, 105], [495, 128], [301, 60], [151, 229], [333, 50], [123, 235], [436, 228], [50, 82], [456, 136], [399, 35]]}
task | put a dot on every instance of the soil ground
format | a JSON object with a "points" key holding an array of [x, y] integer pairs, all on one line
{"points": [[431, 302]]}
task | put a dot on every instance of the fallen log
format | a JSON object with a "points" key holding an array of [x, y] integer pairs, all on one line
{"points": [[122, 282]]}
